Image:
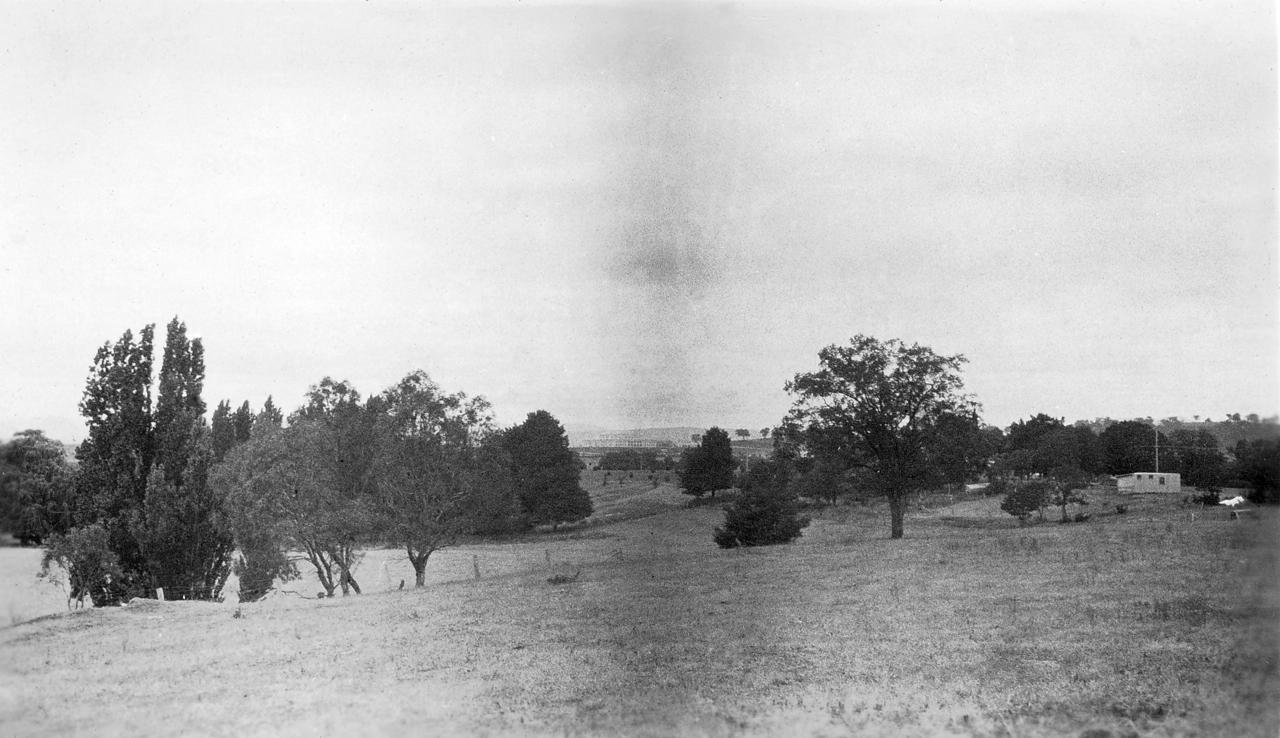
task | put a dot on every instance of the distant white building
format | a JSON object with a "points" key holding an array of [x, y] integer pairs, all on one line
{"points": [[1147, 482]]}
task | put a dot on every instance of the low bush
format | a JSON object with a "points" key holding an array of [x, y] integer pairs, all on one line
{"points": [[1025, 499], [766, 511]]}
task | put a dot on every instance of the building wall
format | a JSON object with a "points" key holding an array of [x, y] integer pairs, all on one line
{"points": [[1149, 483]]}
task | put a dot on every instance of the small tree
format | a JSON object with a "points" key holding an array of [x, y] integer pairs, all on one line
{"points": [[765, 513], [742, 433], [427, 470], [1065, 488], [86, 555], [1025, 499]]}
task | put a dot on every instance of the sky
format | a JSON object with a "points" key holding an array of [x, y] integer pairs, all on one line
{"points": [[645, 214]]}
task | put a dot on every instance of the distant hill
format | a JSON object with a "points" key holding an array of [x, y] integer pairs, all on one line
{"points": [[679, 435]]}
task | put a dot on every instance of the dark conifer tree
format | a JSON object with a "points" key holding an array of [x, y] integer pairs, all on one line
{"points": [[115, 459], [545, 471], [243, 422], [223, 431]]}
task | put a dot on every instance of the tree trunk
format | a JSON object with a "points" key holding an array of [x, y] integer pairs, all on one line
{"points": [[419, 561], [895, 512]]}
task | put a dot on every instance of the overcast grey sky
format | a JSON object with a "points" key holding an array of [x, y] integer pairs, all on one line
{"points": [[645, 214]]}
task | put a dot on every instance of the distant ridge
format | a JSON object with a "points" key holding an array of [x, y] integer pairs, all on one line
{"points": [[681, 435]]}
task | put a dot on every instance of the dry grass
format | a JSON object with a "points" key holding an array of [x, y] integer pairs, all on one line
{"points": [[1146, 623]]}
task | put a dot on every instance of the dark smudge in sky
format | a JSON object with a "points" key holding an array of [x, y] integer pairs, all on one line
{"points": [[661, 258]]}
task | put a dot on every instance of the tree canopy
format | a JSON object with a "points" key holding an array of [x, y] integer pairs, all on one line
{"points": [[546, 471], [709, 466], [883, 403]]}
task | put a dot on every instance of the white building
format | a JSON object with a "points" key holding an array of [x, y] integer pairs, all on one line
{"points": [[1146, 482]]}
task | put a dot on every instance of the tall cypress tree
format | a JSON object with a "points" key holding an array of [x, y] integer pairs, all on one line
{"points": [[115, 459], [180, 403], [223, 431], [270, 414], [188, 550], [243, 422]]}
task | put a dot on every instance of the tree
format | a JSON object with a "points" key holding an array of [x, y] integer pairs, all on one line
{"points": [[181, 530], [1130, 446], [1197, 457], [281, 497], [742, 433], [1258, 463], [270, 414], [337, 439], [960, 450], [115, 462], [1026, 435], [545, 471], [766, 512], [709, 466], [242, 421], [824, 478], [35, 488], [223, 431], [1064, 488], [885, 401], [1042, 443], [184, 531], [429, 471], [86, 555], [179, 405], [628, 459], [764, 432], [259, 561], [1025, 498]]}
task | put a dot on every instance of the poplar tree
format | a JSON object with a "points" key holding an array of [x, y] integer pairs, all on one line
{"points": [[187, 546]]}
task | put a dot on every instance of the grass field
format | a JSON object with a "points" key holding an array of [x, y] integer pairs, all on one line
{"points": [[1148, 623]]}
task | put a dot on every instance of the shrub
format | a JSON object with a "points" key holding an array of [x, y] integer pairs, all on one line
{"points": [[766, 513], [1208, 497], [1025, 499], [258, 566], [91, 565]]}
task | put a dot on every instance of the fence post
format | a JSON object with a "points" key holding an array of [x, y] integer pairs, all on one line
{"points": [[475, 565]]}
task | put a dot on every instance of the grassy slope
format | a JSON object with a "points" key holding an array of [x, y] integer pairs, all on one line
{"points": [[1147, 622]]}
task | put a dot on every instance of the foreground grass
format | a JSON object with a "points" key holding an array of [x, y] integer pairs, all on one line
{"points": [[1147, 623]]}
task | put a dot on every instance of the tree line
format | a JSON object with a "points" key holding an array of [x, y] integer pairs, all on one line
{"points": [[890, 419], [159, 497]]}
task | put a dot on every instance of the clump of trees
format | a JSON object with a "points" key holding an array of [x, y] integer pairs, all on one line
{"points": [[162, 498], [142, 477]]}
